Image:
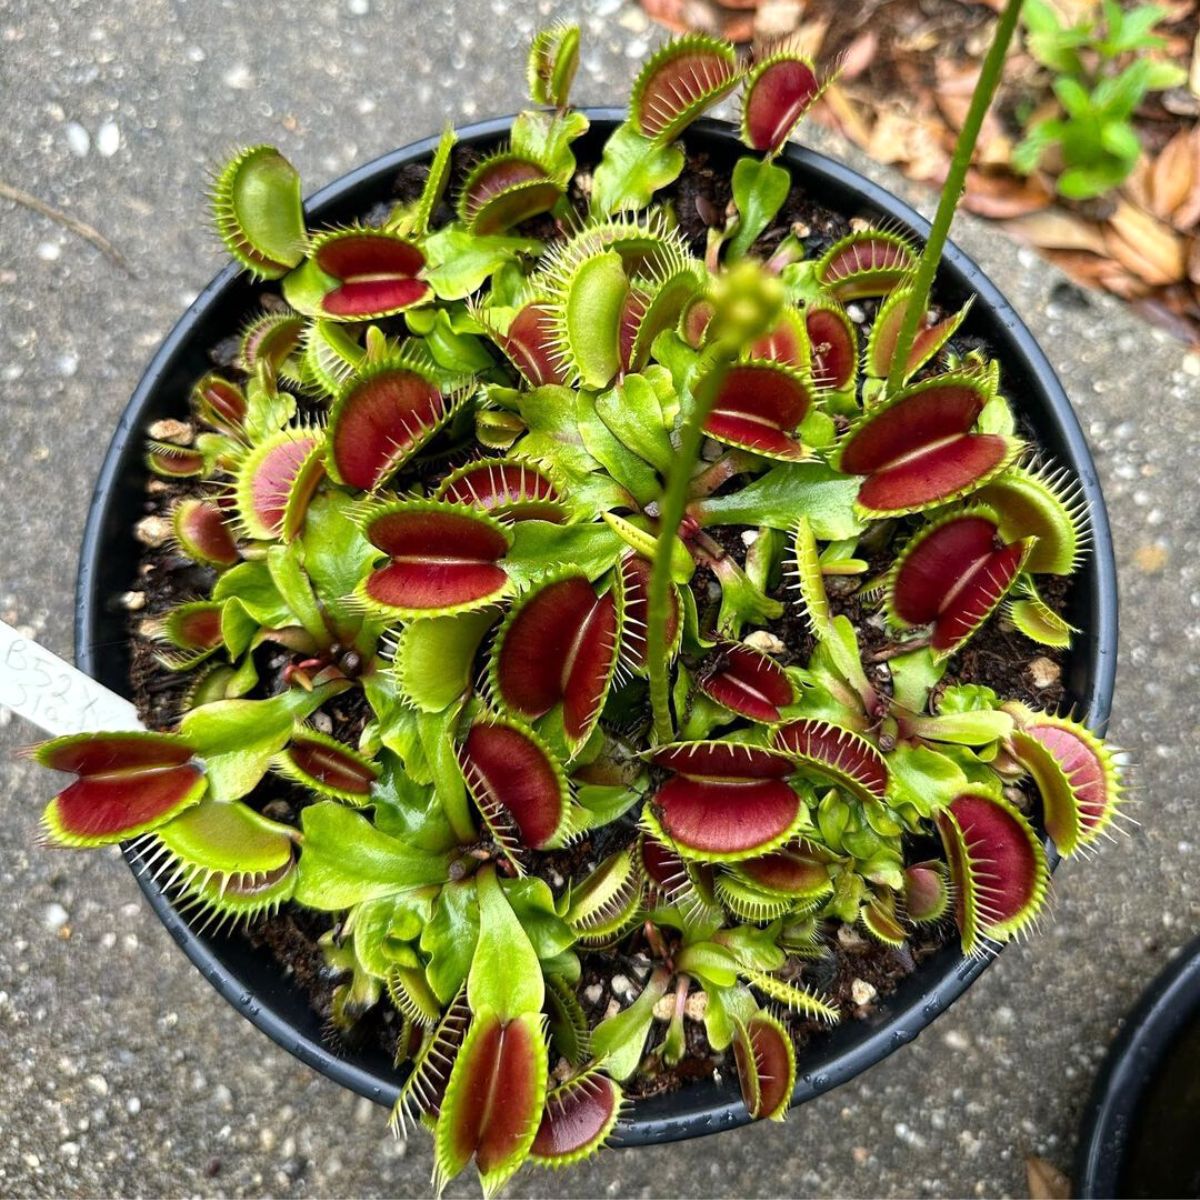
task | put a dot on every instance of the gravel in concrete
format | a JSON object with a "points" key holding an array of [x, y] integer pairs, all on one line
{"points": [[120, 1071]]}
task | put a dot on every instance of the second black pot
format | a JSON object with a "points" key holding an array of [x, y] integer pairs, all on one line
{"points": [[250, 980]]}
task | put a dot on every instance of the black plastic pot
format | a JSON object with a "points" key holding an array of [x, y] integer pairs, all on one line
{"points": [[251, 981], [1140, 1131]]}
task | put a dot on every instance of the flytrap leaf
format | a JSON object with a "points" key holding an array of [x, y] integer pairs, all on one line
{"points": [[724, 801], [358, 274], [505, 487], [578, 1118], [952, 575], [653, 304], [258, 213], [423, 1091], [838, 754], [797, 874], [493, 1104], [997, 868], [605, 903], [926, 892], [443, 558], [516, 782], [758, 407], [748, 903], [202, 533], [930, 339], [1075, 773], [766, 1066], [559, 644], [503, 190], [681, 80], [746, 682], [530, 345], [834, 346], [553, 61], [1047, 505], [865, 264], [270, 338], [787, 342], [779, 89], [878, 918], [917, 450], [228, 860], [435, 658], [329, 767], [1035, 618], [382, 416], [169, 461], [219, 403], [128, 783], [587, 304], [192, 630], [635, 578], [275, 482]]}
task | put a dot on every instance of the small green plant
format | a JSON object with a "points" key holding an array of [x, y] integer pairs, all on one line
{"points": [[467, 479], [1102, 72]]}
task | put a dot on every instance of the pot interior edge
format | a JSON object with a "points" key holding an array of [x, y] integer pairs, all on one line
{"points": [[109, 557]]}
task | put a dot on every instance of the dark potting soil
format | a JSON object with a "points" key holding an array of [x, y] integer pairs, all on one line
{"points": [[997, 656]]}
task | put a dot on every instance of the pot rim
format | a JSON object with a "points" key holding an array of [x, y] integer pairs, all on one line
{"points": [[899, 1020], [1164, 1010]]}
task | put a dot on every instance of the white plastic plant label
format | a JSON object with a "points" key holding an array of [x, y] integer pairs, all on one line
{"points": [[52, 694]]}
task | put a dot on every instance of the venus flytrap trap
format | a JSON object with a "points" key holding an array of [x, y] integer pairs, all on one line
{"points": [[576, 588]]}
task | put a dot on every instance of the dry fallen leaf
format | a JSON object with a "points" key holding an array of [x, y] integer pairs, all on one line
{"points": [[1145, 246], [1001, 196], [844, 115], [1057, 229], [859, 55], [1172, 175], [1046, 1181]]}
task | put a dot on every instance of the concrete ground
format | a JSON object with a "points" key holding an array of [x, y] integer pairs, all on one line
{"points": [[120, 1071]]}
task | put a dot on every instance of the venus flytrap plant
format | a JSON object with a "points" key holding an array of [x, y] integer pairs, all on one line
{"points": [[458, 678]]}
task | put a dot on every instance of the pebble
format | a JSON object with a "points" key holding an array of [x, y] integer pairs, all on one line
{"points": [[133, 1106], [98, 1084], [592, 993], [238, 77], [621, 985], [1043, 672], [55, 916], [855, 313], [133, 601], [49, 251], [765, 641], [1191, 364], [749, 537], [848, 936], [108, 139], [358, 8], [862, 992], [614, 1007], [168, 430], [79, 142], [153, 531]]}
